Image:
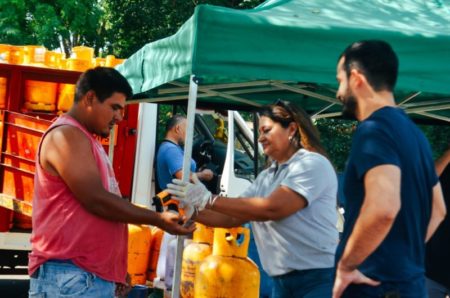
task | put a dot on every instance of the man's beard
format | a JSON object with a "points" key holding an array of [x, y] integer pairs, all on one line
{"points": [[349, 106]]}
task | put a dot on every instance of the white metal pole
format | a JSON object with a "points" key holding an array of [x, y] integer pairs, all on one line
{"points": [[192, 101], [112, 135]]}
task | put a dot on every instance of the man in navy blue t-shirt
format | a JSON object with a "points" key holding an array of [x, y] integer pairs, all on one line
{"points": [[394, 200]]}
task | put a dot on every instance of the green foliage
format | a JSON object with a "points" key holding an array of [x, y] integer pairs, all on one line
{"points": [[132, 24], [66, 23], [336, 136], [14, 28], [54, 24], [438, 136]]}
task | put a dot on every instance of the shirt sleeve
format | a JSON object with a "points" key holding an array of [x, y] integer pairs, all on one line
{"points": [[174, 158], [309, 177], [373, 146]]}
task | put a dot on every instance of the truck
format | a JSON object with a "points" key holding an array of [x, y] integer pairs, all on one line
{"points": [[132, 144]]}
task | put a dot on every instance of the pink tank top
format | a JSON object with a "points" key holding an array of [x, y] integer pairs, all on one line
{"points": [[63, 229]]}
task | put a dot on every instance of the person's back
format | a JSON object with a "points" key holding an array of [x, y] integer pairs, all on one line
{"points": [[400, 256]]}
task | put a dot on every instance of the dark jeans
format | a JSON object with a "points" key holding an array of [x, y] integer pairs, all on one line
{"points": [[411, 289], [312, 283]]}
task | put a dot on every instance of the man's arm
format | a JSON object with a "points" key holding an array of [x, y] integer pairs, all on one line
{"points": [[438, 211], [381, 205], [204, 175], [442, 162], [380, 208], [66, 152]]}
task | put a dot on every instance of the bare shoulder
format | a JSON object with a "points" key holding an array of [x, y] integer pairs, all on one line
{"points": [[64, 145], [65, 135]]}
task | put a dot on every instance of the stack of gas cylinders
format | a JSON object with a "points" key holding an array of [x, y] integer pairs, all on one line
{"points": [[215, 262], [43, 95]]}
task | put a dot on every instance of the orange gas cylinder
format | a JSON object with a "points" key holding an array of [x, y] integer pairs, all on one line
{"points": [[3, 87], [193, 254], [40, 95], [66, 95], [139, 238], [155, 246], [228, 273]]}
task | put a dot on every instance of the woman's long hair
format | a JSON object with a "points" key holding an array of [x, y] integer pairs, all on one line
{"points": [[306, 136]]}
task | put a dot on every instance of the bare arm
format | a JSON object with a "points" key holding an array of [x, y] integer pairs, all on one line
{"points": [[281, 203], [438, 211], [216, 219], [66, 152], [380, 207], [442, 162], [205, 175]]}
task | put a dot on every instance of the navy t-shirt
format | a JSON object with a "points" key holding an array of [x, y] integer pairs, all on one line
{"points": [[389, 137], [438, 248]]}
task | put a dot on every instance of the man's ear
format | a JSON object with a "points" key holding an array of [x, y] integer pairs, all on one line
{"points": [[357, 78], [90, 97]]}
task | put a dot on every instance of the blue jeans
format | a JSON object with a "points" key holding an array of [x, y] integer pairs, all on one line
{"points": [[409, 289], [64, 279], [312, 283]]}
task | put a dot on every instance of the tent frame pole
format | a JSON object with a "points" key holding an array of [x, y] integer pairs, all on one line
{"points": [[192, 102]]}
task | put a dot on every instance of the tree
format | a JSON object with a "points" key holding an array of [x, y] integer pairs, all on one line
{"points": [[66, 23], [14, 27], [55, 24], [132, 24]]}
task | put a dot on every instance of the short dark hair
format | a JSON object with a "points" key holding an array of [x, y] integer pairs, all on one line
{"points": [[104, 81], [173, 121], [376, 60]]}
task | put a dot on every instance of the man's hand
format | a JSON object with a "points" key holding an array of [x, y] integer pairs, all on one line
{"points": [[345, 276], [195, 194], [122, 290], [205, 175], [173, 224]]}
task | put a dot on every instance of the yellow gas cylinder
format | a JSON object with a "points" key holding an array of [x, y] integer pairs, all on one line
{"points": [[193, 254], [98, 61], [228, 273], [4, 53], [52, 59], [139, 237], [155, 247], [34, 55], [16, 55], [83, 53], [66, 92]]}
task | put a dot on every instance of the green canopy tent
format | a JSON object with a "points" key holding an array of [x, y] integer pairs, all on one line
{"points": [[289, 48], [241, 59]]}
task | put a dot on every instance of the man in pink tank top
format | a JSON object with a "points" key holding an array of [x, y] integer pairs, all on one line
{"points": [[79, 239]]}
